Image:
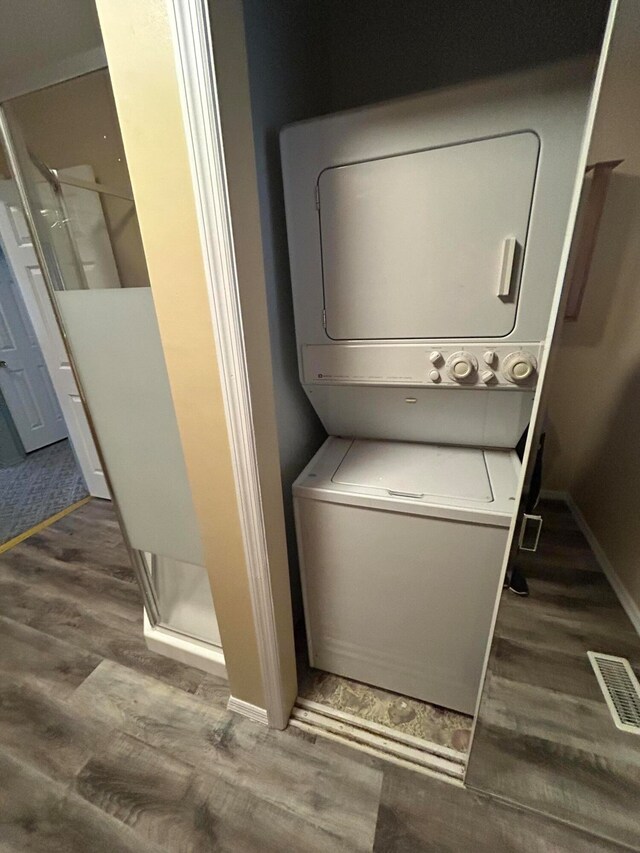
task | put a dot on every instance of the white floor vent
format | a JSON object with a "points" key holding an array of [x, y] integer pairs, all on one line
{"points": [[621, 689]]}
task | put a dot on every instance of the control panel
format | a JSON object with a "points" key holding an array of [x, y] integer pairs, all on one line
{"points": [[459, 365]]}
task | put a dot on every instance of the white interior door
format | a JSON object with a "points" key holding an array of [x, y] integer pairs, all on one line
{"points": [[24, 378], [24, 263]]}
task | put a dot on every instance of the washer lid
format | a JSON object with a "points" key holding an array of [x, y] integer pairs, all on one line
{"points": [[416, 470]]}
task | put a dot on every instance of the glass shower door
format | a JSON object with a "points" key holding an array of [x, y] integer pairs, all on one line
{"points": [[113, 338]]}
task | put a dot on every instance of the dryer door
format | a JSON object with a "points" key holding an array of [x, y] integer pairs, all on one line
{"points": [[428, 244]]}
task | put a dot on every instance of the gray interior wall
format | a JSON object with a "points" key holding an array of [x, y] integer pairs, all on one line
{"points": [[11, 449], [381, 49], [283, 89], [310, 57]]}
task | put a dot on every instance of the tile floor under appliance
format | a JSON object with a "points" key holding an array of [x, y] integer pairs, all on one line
{"points": [[400, 713], [105, 746], [40, 486], [545, 738]]}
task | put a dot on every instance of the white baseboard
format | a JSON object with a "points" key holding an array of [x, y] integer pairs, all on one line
{"points": [[187, 650], [630, 607], [246, 709]]}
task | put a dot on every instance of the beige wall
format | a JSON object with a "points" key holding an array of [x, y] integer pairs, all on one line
{"points": [[594, 411], [141, 61], [43, 42], [75, 123]]}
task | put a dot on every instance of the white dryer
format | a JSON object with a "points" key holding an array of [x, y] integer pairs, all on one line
{"points": [[425, 243], [401, 548]]}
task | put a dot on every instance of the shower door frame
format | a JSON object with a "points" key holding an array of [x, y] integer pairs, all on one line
{"points": [[137, 558]]}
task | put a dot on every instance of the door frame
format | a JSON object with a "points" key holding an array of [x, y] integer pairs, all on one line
{"points": [[551, 342], [196, 74], [201, 115]]}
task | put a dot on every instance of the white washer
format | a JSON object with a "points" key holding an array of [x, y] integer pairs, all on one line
{"points": [[401, 549]]}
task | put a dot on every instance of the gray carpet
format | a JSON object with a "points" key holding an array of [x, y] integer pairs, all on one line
{"points": [[48, 481]]}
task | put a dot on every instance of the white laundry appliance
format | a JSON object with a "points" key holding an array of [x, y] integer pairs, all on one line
{"points": [[401, 546], [425, 242]]}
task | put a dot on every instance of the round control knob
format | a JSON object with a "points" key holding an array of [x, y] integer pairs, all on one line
{"points": [[434, 375], [435, 357], [461, 366], [489, 357], [519, 367]]}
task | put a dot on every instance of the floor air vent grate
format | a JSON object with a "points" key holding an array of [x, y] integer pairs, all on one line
{"points": [[621, 689]]}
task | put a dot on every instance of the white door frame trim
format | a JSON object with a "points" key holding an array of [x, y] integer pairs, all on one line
{"points": [[551, 341], [198, 92]]}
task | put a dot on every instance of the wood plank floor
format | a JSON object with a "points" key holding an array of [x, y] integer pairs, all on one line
{"points": [[544, 737], [105, 746]]}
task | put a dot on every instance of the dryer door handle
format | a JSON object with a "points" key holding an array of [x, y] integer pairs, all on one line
{"points": [[509, 252]]}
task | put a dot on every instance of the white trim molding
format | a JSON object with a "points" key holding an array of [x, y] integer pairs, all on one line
{"points": [[371, 749], [196, 73], [630, 607], [246, 709], [187, 650], [388, 743]]}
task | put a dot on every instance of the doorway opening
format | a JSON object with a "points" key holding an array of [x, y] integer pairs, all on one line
{"points": [[48, 461], [49, 450], [545, 715], [340, 78]]}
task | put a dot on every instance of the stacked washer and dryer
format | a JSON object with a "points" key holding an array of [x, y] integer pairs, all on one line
{"points": [[425, 241]]}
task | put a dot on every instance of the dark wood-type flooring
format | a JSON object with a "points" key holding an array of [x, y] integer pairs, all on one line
{"points": [[544, 737], [105, 746]]}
